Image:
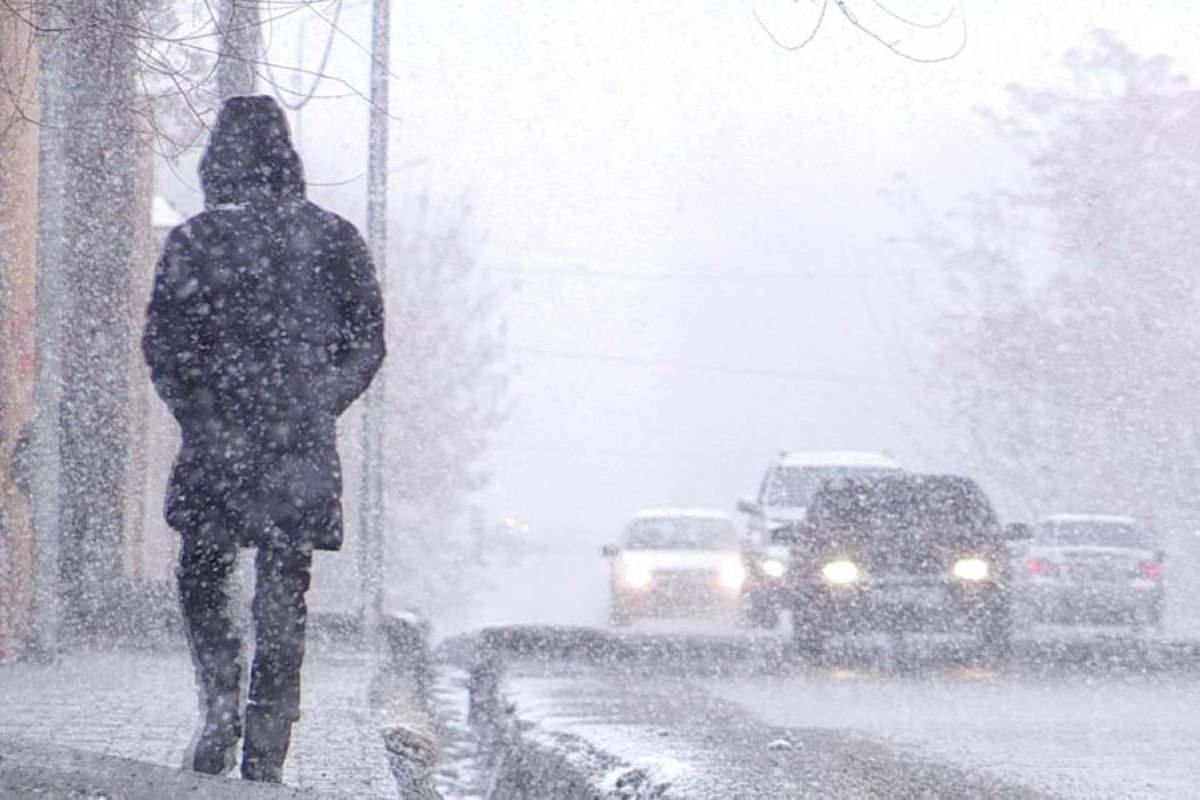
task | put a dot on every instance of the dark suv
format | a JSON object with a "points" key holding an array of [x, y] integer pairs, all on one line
{"points": [[896, 553]]}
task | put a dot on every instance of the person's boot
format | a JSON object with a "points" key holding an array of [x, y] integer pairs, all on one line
{"points": [[215, 748], [265, 748]]}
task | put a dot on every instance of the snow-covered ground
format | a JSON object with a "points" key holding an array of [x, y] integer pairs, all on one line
{"points": [[596, 711], [666, 726], [1130, 736], [461, 773]]}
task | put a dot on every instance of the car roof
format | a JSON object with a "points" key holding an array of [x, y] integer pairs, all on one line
{"points": [[685, 513], [1112, 519], [838, 458]]}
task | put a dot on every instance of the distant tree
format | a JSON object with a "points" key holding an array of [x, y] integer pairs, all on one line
{"points": [[446, 396], [1072, 352]]}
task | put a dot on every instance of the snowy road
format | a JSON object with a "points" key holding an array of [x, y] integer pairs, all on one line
{"points": [[1078, 735], [711, 749], [756, 726]]}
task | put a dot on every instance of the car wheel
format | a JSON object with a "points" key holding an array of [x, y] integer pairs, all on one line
{"points": [[757, 612], [808, 636], [619, 617], [996, 634], [1150, 619]]}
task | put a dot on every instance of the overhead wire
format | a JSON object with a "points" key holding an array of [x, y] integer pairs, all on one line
{"points": [[669, 365], [631, 455], [714, 276]]}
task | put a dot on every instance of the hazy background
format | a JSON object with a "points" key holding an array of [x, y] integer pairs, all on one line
{"points": [[693, 220]]}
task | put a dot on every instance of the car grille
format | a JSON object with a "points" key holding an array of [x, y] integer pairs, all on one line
{"points": [[903, 561], [683, 579]]}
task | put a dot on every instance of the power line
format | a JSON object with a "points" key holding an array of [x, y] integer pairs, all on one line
{"points": [[573, 451], [714, 277], [671, 365]]}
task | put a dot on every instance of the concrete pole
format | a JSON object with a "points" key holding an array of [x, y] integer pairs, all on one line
{"points": [[371, 509], [240, 50]]}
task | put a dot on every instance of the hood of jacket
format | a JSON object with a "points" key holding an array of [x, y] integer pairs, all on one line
{"points": [[250, 155]]}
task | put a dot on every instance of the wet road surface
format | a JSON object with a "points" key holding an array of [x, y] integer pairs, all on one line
{"points": [[731, 714]]}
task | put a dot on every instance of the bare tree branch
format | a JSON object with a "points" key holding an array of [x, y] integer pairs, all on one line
{"points": [[811, 35], [894, 46], [891, 43]]}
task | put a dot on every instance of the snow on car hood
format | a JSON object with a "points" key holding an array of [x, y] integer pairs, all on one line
{"points": [[681, 559]]}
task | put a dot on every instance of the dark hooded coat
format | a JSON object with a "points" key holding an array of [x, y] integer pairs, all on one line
{"points": [[265, 324]]}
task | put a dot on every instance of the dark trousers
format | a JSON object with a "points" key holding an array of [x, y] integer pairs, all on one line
{"points": [[206, 563]]}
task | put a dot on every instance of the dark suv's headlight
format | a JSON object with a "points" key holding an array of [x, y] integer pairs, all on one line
{"points": [[971, 569]]}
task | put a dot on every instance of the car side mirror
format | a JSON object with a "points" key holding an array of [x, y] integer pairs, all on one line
{"points": [[610, 551], [748, 506], [1018, 531]]}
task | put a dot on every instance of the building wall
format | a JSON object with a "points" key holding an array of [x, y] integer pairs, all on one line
{"points": [[18, 250]]}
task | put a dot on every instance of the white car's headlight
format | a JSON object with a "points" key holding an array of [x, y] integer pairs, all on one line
{"points": [[971, 569], [732, 573], [773, 568], [636, 574], [841, 572]]}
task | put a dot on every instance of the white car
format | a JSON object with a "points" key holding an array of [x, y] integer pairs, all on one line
{"points": [[1091, 569], [675, 562], [783, 498]]}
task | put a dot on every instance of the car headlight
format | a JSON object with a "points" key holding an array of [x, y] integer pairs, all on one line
{"points": [[637, 574], [841, 572], [971, 569], [732, 573], [772, 568]]}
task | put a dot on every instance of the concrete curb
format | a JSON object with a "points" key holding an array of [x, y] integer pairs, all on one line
{"points": [[525, 762], [400, 695]]}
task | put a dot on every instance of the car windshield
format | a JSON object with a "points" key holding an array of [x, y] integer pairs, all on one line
{"points": [[1097, 533], [794, 487], [678, 533], [902, 508]]}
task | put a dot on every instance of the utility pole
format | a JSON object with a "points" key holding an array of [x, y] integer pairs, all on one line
{"points": [[239, 52], [371, 503], [239, 26]]}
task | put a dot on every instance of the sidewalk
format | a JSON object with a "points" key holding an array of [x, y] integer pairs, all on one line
{"points": [[143, 706], [42, 771]]}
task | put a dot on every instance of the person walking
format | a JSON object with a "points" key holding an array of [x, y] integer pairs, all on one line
{"points": [[265, 323]]}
